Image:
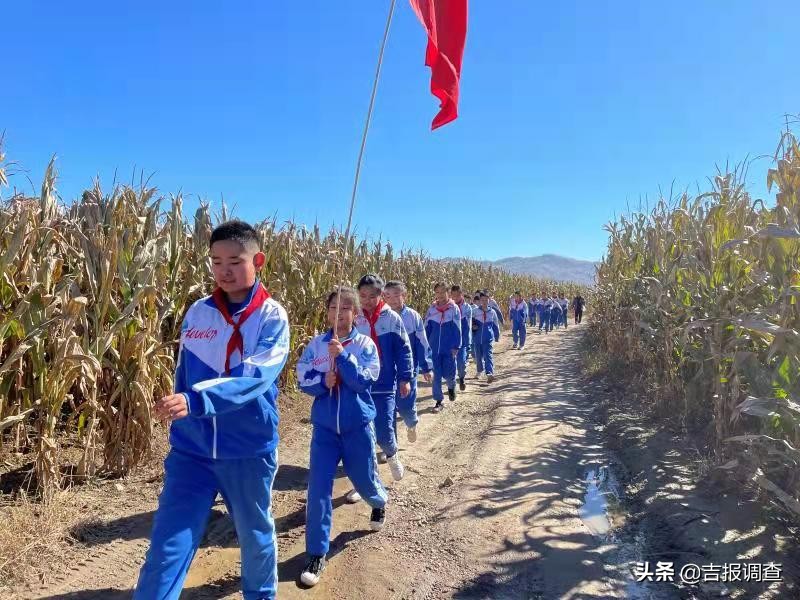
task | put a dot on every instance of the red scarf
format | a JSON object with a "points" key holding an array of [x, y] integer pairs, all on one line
{"points": [[372, 319], [236, 342], [441, 310]]}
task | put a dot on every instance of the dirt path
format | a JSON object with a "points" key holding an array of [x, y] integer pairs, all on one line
{"points": [[489, 507]]}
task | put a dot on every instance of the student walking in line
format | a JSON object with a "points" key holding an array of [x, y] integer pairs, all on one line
{"points": [[518, 314], [488, 333], [465, 308], [224, 423], [577, 305], [443, 327], [338, 369], [395, 295]]}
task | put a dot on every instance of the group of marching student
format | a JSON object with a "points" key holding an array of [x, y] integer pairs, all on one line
{"points": [[363, 373], [550, 313]]}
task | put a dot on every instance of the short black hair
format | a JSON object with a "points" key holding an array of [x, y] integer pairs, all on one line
{"points": [[518, 293], [371, 280], [455, 288], [237, 231], [394, 284], [439, 284]]}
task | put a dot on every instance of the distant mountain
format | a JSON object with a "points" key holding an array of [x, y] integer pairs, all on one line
{"points": [[550, 266]]}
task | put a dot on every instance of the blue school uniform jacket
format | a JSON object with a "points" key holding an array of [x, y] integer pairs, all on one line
{"points": [[518, 312], [443, 328], [420, 349], [231, 414], [350, 406], [488, 331], [466, 323], [394, 348]]}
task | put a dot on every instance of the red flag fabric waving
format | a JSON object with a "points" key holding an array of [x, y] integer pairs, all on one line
{"points": [[446, 24]]}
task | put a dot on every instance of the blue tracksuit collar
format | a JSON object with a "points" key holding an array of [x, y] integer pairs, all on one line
{"points": [[329, 334]]}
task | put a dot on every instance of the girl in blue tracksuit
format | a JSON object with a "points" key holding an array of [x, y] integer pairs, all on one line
{"points": [[487, 334], [338, 371], [518, 314], [224, 430], [384, 326], [443, 327], [476, 304], [395, 295], [465, 308]]}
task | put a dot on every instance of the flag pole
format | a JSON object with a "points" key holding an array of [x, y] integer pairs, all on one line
{"points": [[360, 159]]}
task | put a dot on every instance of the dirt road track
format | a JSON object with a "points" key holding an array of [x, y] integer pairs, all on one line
{"points": [[488, 507]]}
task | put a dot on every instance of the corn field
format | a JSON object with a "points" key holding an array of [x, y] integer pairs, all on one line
{"points": [[702, 292], [91, 299]]}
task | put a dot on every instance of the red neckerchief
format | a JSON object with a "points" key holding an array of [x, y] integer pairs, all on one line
{"points": [[441, 310], [372, 319], [333, 363], [236, 342]]}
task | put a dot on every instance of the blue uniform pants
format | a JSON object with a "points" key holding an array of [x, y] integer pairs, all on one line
{"points": [[407, 407], [385, 420], [444, 367], [356, 450], [519, 333], [191, 485], [545, 321], [484, 357], [461, 362]]}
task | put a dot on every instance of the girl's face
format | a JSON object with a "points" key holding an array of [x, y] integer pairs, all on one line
{"points": [[346, 314], [441, 294]]}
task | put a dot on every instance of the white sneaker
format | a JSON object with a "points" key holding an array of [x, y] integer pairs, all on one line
{"points": [[396, 467], [353, 497], [411, 434]]}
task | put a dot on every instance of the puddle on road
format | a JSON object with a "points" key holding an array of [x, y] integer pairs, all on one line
{"points": [[602, 490]]}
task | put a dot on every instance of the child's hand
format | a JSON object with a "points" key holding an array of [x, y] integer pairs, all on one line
{"points": [[172, 407], [405, 389], [335, 348], [455, 352], [331, 380], [427, 377]]}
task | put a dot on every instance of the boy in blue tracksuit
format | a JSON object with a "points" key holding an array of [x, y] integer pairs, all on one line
{"points": [[564, 310], [385, 328], [532, 310], [487, 334], [443, 327], [544, 317], [224, 423], [555, 312], [465, 308], [338, 371], [476, 304], [518, 314], [495, 307], [395, 295]]}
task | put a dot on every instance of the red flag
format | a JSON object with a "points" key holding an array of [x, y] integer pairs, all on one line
{"points": [[446, 24]]}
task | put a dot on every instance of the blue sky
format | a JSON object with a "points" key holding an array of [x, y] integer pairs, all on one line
{"points": [[570, 111]]}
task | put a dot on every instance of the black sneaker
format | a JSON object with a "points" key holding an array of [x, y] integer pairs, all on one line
{"points": [[438, 406], [451, 393], [378, 518], [461, 385], [313, 571]]}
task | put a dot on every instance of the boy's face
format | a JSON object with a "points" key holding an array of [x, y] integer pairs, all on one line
{"points": [[484, 302], [234, 267], [442, 295], [394, 298], [518, 297], [346, 314], [369, 296], [458, 297]]}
